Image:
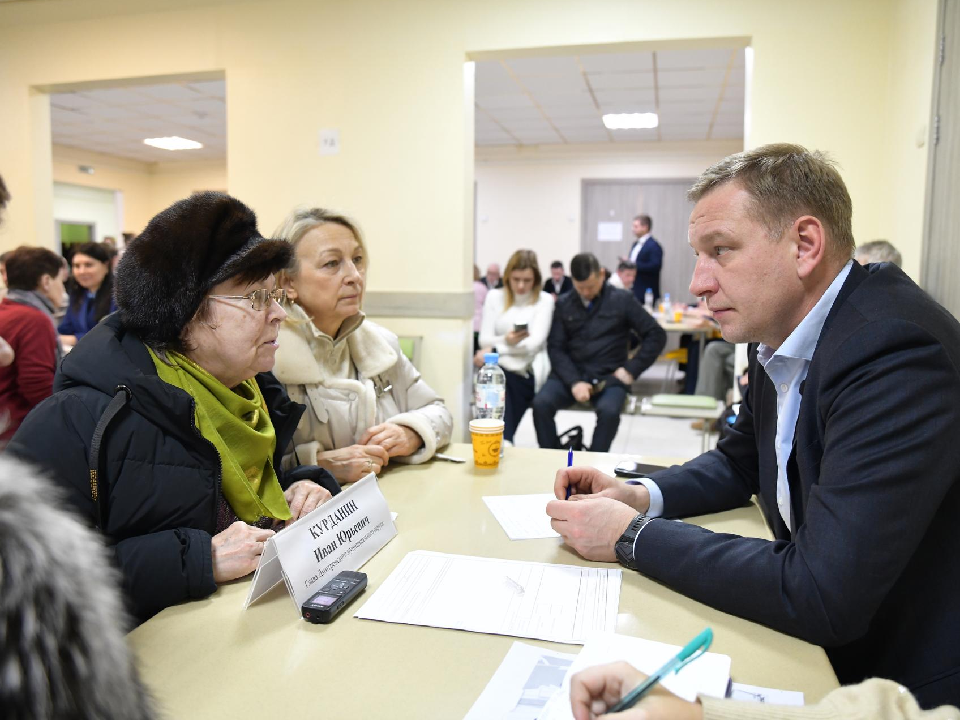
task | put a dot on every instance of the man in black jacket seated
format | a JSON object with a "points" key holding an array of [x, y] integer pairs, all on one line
{"points": [[847, 436], [588, 353]]}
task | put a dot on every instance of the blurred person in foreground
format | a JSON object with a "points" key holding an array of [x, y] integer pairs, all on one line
{"points": [[594, 690], [846, 436], [168, 426], [366, 402], [62, 646], [516, 323]]}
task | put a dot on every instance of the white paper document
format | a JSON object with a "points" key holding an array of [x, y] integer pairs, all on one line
{"points": [[752, 693], [561, 603], [520, 688], [709, 674], [522, 517]]}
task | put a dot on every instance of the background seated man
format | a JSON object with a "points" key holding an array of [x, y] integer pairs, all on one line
{"points": [[588, 353], [877, 251], [625, 275], [847, 436]]}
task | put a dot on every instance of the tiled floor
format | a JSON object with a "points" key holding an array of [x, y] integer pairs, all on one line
{"points": [[636, 435]]}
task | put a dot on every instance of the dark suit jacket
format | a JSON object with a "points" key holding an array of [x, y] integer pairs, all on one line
{"points": [[565, 286], [872, 569], [649, 262]]}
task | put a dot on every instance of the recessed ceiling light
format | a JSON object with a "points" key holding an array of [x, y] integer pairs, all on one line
{"points": [[173, 143], [630, 121]]}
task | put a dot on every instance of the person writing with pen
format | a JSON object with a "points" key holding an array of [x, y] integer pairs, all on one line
{"points": [[597, 689], [846, 437]]}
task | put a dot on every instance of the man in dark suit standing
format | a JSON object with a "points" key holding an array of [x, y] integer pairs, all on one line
{"points": [[647, 255], [847, 437]]}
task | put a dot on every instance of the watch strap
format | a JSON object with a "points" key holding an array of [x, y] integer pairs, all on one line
{"points": [[626, 542]]}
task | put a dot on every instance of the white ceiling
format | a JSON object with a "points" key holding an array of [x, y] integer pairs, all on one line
{"points": [[698, 95], [117, 120]]}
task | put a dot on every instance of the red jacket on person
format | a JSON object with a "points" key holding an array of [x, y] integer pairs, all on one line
{"points": [[30, 378]]}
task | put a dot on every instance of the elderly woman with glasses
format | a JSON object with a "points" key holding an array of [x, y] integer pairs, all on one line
{"points": [[366, 402], [167, 428]]}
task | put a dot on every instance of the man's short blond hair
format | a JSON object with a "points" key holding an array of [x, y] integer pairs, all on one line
{"points": [[785, 182]]}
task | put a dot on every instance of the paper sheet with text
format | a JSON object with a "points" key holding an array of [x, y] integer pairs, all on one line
{"points": [[561, 603]]}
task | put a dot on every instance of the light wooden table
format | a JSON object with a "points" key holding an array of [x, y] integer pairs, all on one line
{"points": [[210, 659]]}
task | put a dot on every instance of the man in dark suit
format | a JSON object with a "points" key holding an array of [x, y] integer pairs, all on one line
{"points": [[558, 284], [847, 436], [647, 255]]}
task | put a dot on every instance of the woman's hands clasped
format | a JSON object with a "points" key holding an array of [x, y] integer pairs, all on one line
{"points": [[236, 551], [397, 440], [303, 497], [351, 463]]}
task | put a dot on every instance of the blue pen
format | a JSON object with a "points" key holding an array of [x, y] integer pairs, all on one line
{"points": [[693, 649], [569, 464]]}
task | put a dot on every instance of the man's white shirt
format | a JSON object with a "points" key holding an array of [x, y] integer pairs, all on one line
{"points": [[787, 369]]}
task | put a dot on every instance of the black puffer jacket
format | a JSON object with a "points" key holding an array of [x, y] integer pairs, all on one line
{"points": [[160, 476]]}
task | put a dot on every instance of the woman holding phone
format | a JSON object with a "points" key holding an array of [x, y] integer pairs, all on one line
{"points": [[516, 322]]}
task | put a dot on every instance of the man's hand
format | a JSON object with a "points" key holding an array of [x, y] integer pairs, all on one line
{"points": [[351, 463], [595, 690], [478, 356], [236, 551], [591, 525], [590, 481], [581, 391], [623, 376], [303, 497], [397, 440]]}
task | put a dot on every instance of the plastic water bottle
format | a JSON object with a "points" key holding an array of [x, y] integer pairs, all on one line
{"points": [[648, 300], [665, 304], [489, 389]]}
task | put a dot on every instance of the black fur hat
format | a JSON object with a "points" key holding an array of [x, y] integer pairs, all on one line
{"points": [[184, 251]]}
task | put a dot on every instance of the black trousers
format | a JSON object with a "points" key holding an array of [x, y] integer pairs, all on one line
{"points": [[554, 395], [520, 392]]}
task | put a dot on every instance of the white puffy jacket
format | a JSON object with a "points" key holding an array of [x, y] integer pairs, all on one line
{"points": [[354, 382]]}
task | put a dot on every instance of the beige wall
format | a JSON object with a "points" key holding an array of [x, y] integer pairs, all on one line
{"points": [[147, 187], [530, 197], [389, 75]]}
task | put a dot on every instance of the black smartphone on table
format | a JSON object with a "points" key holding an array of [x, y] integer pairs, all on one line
{"points": [[633, 469]]}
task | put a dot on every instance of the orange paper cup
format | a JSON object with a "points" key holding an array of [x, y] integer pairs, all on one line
{"points": [[487, 437]]}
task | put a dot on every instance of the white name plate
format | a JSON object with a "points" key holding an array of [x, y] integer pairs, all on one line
{"points": [[341, 534]]}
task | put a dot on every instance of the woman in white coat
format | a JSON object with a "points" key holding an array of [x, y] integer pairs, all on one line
{"points": [[516, 321], [366, 402]]}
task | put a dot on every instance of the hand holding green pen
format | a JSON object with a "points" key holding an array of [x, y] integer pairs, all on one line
{"points": [[690, 652]]}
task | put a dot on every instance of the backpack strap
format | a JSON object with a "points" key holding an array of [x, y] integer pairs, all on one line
{"points": [[98, 492]]}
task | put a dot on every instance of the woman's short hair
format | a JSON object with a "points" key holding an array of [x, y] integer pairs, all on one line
{"points": [[302, 220], [521, 260], [26, 266]]}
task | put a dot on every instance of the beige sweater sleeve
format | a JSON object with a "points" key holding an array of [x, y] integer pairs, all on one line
{"points": [[870, 700]]}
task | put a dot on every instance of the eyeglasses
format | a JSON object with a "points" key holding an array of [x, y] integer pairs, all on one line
{"points": [[259, 299]]}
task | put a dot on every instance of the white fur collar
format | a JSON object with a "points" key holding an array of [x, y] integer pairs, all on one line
{"points": [[308, 356]]}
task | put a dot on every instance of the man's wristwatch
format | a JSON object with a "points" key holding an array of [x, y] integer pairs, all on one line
{"points": [[624, 547]]}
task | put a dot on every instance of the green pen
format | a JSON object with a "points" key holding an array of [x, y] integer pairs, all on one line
{"points": [[693, 649]]}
